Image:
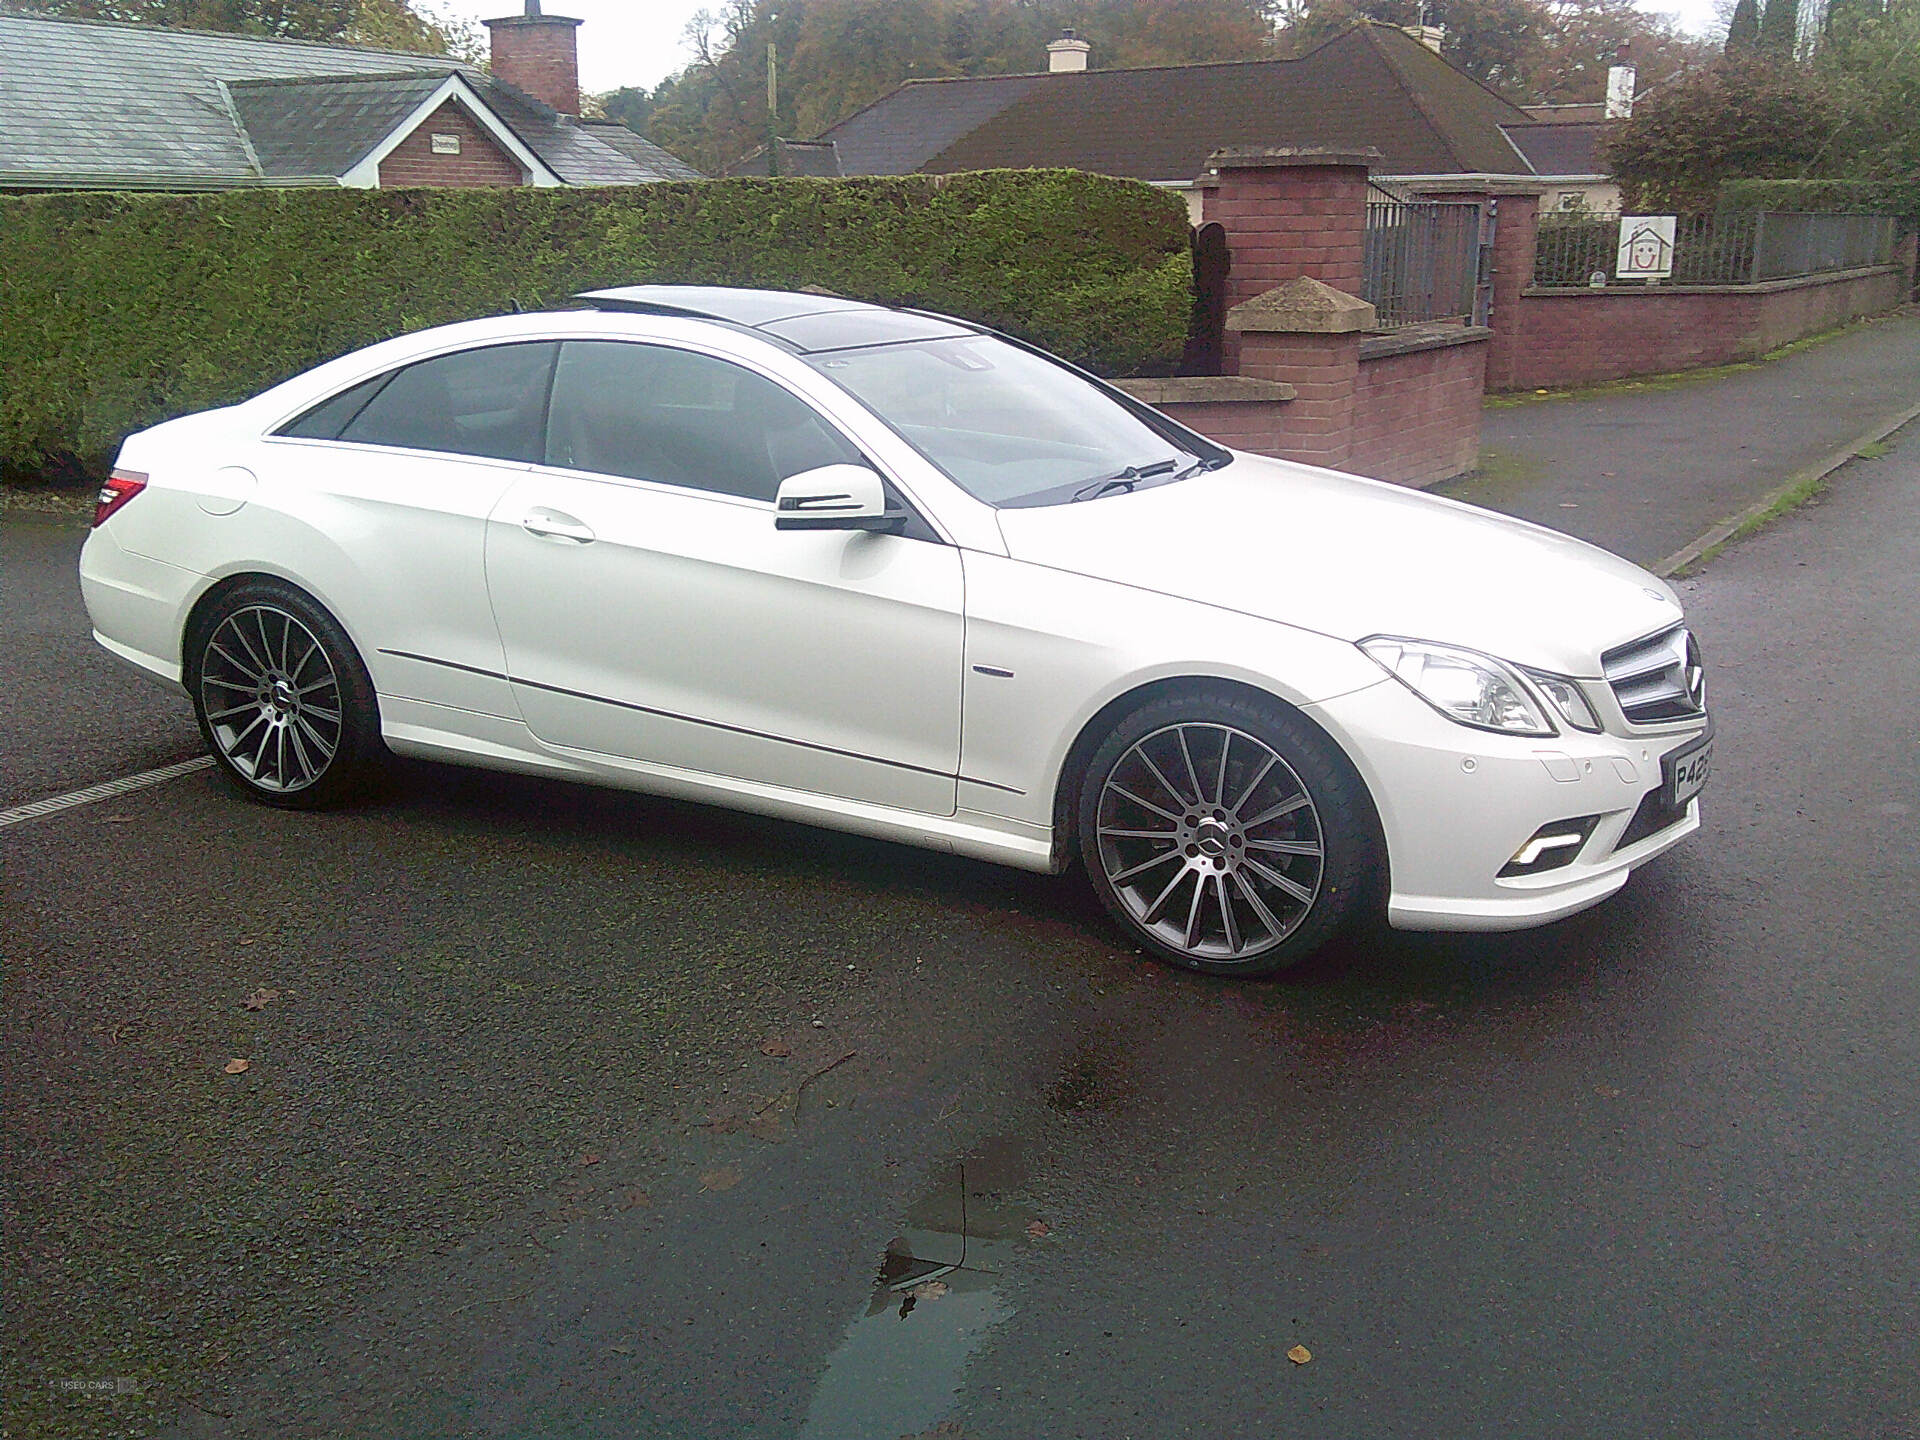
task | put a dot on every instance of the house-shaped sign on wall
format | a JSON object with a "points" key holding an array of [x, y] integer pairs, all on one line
{"points": [[1646, 247]]}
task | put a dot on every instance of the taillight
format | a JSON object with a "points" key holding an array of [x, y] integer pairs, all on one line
{"points": [[121, 487]]}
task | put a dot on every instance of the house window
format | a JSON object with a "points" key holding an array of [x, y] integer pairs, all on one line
{"points": [[444, 144]]}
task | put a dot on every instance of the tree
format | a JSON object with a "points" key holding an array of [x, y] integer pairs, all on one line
{"points": [[1869, 60], [1740, 116], [1779, 29], [388, 24], [1532, 51], [1743, 31]]}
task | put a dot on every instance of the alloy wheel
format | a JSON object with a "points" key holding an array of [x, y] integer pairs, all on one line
{"points": [[271, 699], [1210, 841]]}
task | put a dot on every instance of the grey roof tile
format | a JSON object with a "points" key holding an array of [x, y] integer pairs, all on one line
{"points": [[325, 126], [88, 104]]}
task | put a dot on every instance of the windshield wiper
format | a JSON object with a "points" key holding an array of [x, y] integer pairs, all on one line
{"points": [[1123, 479]]}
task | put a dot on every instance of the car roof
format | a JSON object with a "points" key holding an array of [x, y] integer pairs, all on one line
{"points": [[809, 323]]}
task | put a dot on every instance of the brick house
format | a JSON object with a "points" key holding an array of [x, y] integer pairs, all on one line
{"points": [[100, 105]]}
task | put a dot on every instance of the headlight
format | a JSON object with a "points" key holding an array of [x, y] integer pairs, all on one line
{"points": [[1470, 688], [1566, 697]]}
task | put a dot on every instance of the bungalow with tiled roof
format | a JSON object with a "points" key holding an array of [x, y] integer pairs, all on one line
{"points": [[101, 105], [1373, 86]]}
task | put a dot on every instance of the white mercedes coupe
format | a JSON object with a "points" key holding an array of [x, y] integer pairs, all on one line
{"points": [[894, 573]]}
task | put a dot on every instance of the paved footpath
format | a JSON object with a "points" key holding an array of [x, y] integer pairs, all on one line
{"points": [[1647, 471]]}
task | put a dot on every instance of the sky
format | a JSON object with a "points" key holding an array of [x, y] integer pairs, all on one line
{"points": [[637, 42]]}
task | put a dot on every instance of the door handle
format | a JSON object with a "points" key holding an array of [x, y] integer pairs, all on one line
{"points": [[552, 525]]}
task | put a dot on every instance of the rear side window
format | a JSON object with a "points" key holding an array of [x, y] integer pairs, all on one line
{"points": [[491, 402], [326, 420], [649, 412]]}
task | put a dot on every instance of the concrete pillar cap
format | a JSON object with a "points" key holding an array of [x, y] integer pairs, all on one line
{"points": [[1302, 306], [1286, 157]]}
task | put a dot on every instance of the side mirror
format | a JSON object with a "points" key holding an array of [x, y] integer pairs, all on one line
{"points": [[835, 497]]}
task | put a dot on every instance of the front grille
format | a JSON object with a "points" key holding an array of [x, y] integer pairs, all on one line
{"points": [[1658, 678]]}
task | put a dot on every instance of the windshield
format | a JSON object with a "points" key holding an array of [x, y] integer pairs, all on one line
{"points": [[1006, 426]]}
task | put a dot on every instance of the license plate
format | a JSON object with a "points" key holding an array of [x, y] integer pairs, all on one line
{"points": [[1687, 770]]}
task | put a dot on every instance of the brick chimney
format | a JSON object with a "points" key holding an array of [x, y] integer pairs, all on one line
{"points": [[1069, 52], [539, 54]]}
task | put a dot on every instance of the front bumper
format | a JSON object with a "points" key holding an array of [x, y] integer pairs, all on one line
{"points": [[1457, 804]]}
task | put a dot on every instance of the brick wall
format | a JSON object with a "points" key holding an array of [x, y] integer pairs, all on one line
{"points": [[1581, 337], [1416, 414], [480, 161]]}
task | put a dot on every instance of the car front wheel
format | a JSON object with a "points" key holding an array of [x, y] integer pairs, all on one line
{"points": [[1225, 833], [284, 702]]}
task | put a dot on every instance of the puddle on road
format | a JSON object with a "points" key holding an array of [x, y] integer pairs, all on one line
{"points": [[933, 1304]]}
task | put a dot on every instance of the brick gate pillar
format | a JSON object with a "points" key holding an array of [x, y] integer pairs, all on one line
{"points": [[1306, 334], [1289, 211]]}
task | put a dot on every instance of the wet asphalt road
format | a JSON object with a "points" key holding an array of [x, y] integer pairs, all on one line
{"points": [[512, 1158]]}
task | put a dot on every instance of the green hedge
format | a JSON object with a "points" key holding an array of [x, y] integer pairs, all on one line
{"points": [[1880, 197], [121, 310]]}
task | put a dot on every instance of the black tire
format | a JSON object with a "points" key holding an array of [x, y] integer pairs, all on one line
{"points": [[284, 702], [1228, 878]]}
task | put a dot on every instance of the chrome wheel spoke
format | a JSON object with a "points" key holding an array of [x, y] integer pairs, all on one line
{"points": [[1200, 889], [1287, 847], [1145, 865], [1285, 807], [1253, 784], [253, 672], [1165, 784], [1199, 795], [1227, 921], [1280, 882], [1220, 780], [300, 757], [1162, 898], [218, 715], [1274, 928], [320, 742], [1120, 834], [1146, 804]]}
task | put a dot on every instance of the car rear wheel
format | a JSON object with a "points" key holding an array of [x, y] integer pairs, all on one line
{"points": [[283, 700], [1225, 833]]}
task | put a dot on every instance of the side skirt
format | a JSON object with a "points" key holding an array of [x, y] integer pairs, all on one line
{"points": [[438, 732]]}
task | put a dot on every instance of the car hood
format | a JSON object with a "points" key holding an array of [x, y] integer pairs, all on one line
{"points": [[1350, 557]]}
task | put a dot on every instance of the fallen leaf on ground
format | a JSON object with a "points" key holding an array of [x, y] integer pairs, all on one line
{"points": [[588, 1157], [620, 1349], [261, 998], [929, 1290], [1038, 1228], [1299, 1354], [635, 1198], [1606, 1092], [776, 1047], [725, 1178], [234, 1067]]}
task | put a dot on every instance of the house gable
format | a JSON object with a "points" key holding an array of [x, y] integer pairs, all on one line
{"points": [[447, 149]]}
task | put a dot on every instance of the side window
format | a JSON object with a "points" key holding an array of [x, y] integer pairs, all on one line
{"points": [[489, 402], [326, 420], [653, 413]]}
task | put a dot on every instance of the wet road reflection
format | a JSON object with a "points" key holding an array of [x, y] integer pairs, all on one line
{"points": [[936, 1298]]}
